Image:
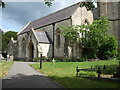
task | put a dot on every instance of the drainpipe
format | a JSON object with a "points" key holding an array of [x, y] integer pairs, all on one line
{"points": [[53, 41]]}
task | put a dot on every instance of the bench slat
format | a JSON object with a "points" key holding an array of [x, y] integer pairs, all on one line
{"points": [[89, 69]]}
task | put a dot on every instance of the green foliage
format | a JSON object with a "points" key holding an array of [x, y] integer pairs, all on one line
{"points": [[0, 40], [88, 4], [48, 2], [2, 4], [5, 68], [94, 37], [82, 59], [45, 58], [10, 34], [70, 33], [98, 43], [58, 60], [6, 37], [118, 56], [108, 49], [67, 59], [36, 59], [95, 40], [65, 73]]}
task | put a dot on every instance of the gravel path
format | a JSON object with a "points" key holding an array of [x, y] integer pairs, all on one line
{"points": [[21, 75]]}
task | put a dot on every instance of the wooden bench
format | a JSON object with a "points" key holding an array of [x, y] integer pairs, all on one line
{"points": [[96, 69]]}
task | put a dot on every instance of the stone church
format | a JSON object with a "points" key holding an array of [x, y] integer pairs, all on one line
{"points": [[43, 35]]}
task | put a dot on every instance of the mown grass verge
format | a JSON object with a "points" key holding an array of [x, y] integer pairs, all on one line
{"points": [[4, 68], [65, 73]]}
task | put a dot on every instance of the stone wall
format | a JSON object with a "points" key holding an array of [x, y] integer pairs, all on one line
{"points": [[119, 25], [49, 30], [78, 18], [12, 50], [23, 45], [112, 10], [60, 51], [81, 15]]}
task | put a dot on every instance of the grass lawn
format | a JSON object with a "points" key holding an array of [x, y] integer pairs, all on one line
{"points": [[65, 73], [4, 67]]}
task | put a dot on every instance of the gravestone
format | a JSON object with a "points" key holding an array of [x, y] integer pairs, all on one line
{"points": [[11, 58]]}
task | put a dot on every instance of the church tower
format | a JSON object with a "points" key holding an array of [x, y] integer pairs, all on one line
{"points": [[112, 10]]}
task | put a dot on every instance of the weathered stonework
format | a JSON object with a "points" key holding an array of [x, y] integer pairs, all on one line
{"points": [[112, 10], [23, 45], [12, 49], [29, 47], [28, 42]]}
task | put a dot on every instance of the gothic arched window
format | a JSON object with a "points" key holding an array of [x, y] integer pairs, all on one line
{"points": [[23, 44], [85, 22], [58, 38]]}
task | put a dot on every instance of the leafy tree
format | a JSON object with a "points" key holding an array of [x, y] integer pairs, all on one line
{"points": [[70, 33], [108, 48], [2, 4], [1, 40], [71, 36], [95, 40], [95, 36], [89, 4], [48, 2], [6, 37]]}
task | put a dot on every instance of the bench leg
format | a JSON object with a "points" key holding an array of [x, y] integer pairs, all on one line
{"points": [[77, 74]]}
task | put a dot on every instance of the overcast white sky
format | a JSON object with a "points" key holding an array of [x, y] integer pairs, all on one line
{"points": [[17, 14]]}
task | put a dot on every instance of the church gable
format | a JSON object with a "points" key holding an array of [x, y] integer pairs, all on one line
{"points": [[80, 15], [52, 18], [41, 36]]}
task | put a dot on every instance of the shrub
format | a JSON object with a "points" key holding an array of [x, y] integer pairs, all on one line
{"points": [[108, 49], [45, 58], [96, 42], [36, 59], [67, 60], [58, 60], [81, 59], [118, 57]]}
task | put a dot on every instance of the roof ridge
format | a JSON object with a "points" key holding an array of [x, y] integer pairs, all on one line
{"points": [[56, 12], [49, 18], [24, 27]]}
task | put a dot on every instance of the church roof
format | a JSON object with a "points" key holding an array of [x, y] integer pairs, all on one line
{"points": [[52, 18], [42, 36]]}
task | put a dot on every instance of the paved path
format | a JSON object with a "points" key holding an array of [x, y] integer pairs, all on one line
{"points": [[21, 75], [0, 84]]}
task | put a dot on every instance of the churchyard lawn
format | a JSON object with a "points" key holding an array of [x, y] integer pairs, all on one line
{"points": [[65, 73], [4, 68]]}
